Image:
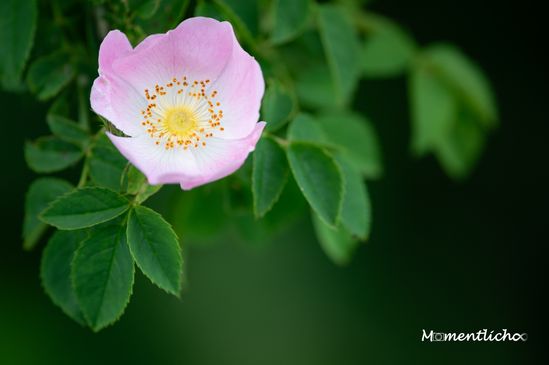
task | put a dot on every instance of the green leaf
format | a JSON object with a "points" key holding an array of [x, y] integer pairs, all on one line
{"points": [[290, 19], [276, 107], [167, 15], [270, 173], [50, 74], [85, 207], [55, 271], [433, 109], [17, 28], [338, 245], [342, 49], [356, 210], [355, 138], [155, 249], [67, 130], [144, 9], [387, 50], [462, 146], [242, 13], [304, 128], [314, 89], [106, 164], [466, 79], [319, 178], [102, 275], [41, 193], [50, 154]]}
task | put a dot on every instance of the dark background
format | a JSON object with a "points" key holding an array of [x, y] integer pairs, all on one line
{"points": [[443, 256]]}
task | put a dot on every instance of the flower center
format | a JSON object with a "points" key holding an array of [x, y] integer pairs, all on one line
{"points": [[180, 121], [182, 113]]}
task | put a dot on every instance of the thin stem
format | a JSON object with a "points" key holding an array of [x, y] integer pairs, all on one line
{"points": [[84, 175]]}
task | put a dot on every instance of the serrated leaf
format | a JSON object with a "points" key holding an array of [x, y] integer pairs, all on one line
{"points": [[319, 178], [67, 130], [387, 50], [342, 49], [102, 275], [55, 271], [276, 107], [355, 138], [41, 193], [305, 128], [155, 248], [356, 211], [433, 109], [270, 173], [290, 19], [106, 164], [336, 243], [50, 154], [466, 79], [49, 74], [17, 28], [85, 207]]}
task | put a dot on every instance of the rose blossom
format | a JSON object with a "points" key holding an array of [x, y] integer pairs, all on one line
{"points": [[188, 100]]}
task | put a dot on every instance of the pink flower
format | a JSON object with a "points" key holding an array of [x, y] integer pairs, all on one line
{"points": [[188, 100]]}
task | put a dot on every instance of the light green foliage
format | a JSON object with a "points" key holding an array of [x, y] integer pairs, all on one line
{"points": [[106, 164], [462, 146], [85, 207], [290, 19], [342, 49], [17, 28], [277, 106], [155, 248], [466, 79], [50, 154], [338, 245], [102, 274], [452, 109], [56, 268], [354, 137], [41, 193], [50, 74], [319, 178], [270, 172], [387, 50]]}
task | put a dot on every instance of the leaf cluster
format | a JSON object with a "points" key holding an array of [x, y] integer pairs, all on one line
{"points": [[314, 159]]}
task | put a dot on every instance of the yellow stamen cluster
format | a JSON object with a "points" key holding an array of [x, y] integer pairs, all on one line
{"points": [[182, 113]]}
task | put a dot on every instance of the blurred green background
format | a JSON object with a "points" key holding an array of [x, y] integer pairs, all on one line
{"points": [[443, 256]]}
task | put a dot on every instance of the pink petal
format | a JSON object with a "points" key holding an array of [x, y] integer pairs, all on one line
{"points": [[241, 87], [159, 165], [115, 101], [221, 157], [198, 48], [114, 46]]}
